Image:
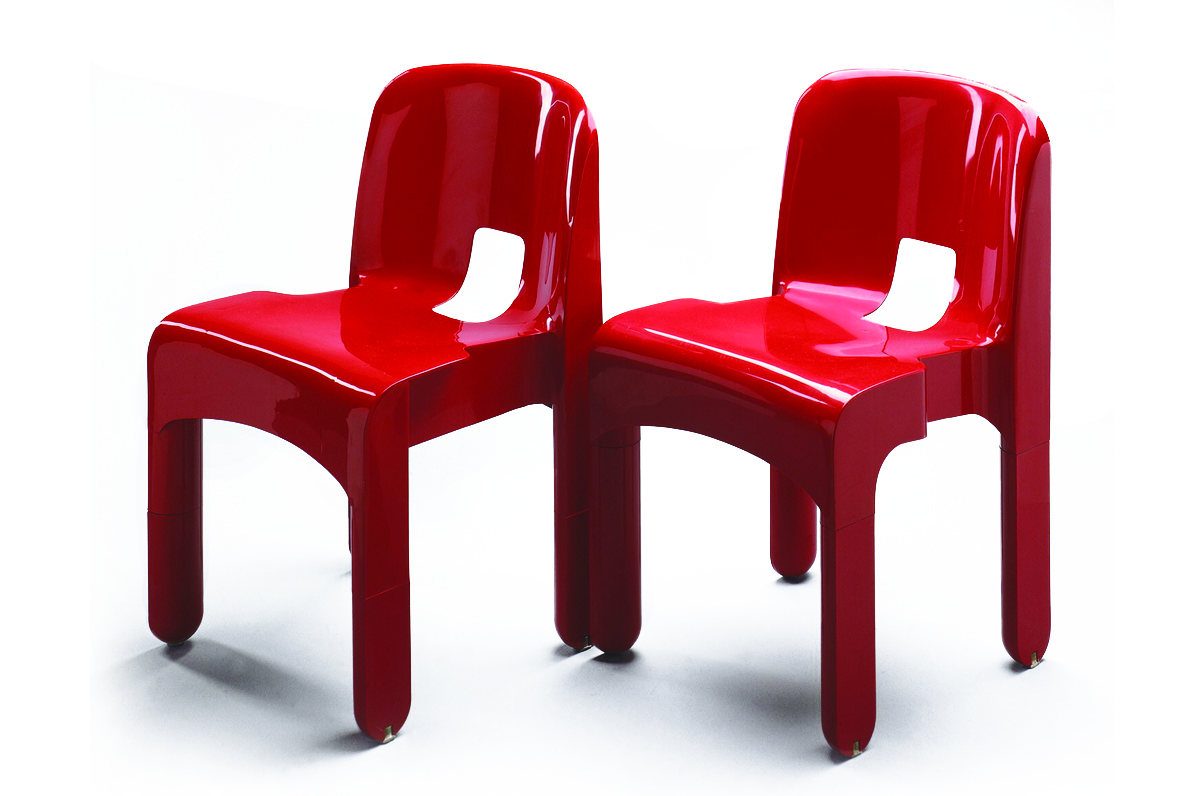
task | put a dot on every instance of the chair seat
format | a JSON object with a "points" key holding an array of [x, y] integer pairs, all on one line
{"points": [[775, 350], [364, 338], [299, 365]]}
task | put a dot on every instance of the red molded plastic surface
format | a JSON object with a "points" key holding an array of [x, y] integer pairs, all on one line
{"points": [[804, 381], [355, 376]]}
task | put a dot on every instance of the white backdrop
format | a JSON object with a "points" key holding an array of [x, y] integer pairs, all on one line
{"points": [[223, 143]]}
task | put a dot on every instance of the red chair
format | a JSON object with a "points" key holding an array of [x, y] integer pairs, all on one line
{"points": [[803, 381], [354, 377]]}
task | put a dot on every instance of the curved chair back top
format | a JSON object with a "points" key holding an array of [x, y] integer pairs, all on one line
{"points": [[876, 156], [458, 147]]}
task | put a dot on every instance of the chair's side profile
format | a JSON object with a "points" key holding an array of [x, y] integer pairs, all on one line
{"points": [[990, 352], [355, 377], [803, 381]]}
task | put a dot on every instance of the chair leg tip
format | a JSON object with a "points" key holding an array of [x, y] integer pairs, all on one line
{"points": [[1027, 655], [853, 751], [175, 638], [574, 639], [385, 735], [848, 750], [792, 571], [382, 733]]}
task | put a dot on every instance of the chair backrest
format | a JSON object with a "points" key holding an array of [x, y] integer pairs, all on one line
{"points": [[877, 156], [458, 147]]}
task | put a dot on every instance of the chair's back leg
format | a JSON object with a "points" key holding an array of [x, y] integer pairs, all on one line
{"points": [[793, 527], [571, 452], [1025, 434], [1025, 557], [173, 520], [616, 556]]}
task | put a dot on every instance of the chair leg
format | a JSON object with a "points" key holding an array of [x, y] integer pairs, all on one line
{"points": [[848, 633], [379, 571], [571, 579], [616, 556], [382, 663], [173, 523], [1025, 557], [571, 529], [793, 527]]}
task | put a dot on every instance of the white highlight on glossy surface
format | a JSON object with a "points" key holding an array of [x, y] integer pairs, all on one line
{"points": [[493, 277], [269, 352], [922, 287], [824, 389]]}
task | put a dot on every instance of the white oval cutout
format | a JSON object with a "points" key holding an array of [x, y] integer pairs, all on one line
{"points": [[493, 278], [922, 287]]}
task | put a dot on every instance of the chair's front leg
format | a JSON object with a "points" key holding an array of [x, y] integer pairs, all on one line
{"points": [[1025, 557], [793, 527], [616, 556], [173, 524], [379, 563], [382, 663], [848, 633]]}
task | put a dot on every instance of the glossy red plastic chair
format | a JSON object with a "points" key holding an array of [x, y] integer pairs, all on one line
{"points": [[803, 381], [354, 377]]}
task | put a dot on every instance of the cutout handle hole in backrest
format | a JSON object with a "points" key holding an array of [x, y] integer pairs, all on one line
{"points": [[922, 287], [493, 277]]}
